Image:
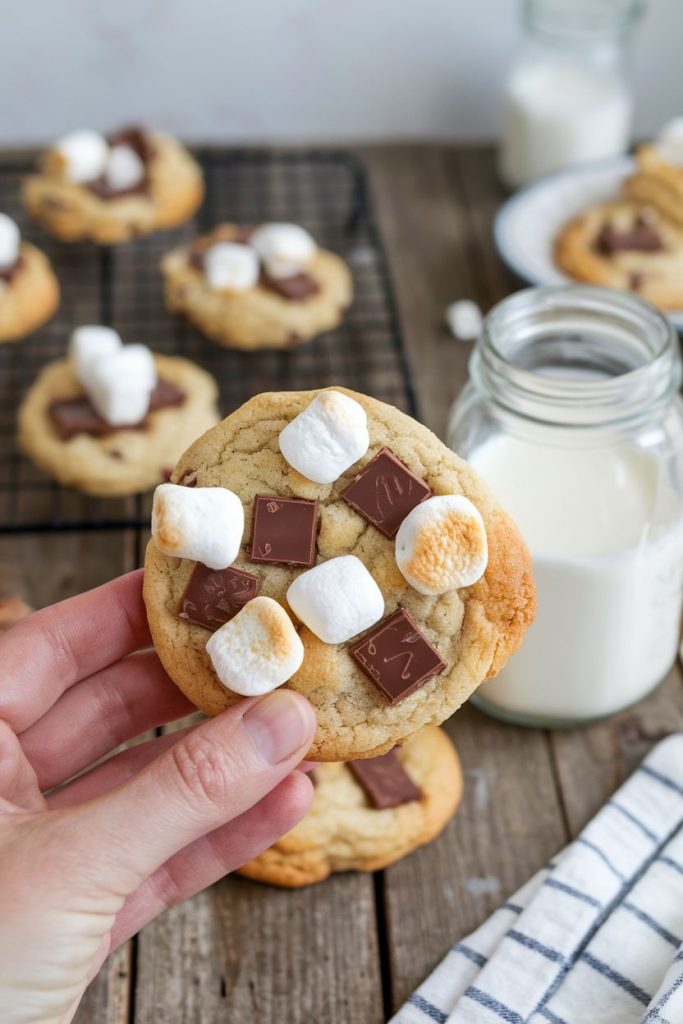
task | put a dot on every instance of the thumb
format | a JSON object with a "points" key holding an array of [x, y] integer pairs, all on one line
{"points": [[210, 776]]}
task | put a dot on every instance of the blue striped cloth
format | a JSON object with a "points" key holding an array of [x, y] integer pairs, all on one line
{"points": [[595, 937]]}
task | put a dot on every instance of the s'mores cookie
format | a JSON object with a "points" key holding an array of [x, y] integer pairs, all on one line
{"points": [[29, 292], [112, 419], [112, 188], [252, 288], [391, 563], [368, 814]]}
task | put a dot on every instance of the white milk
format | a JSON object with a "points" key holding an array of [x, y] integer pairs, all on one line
{"points": [[609, 595], [558, 113]]}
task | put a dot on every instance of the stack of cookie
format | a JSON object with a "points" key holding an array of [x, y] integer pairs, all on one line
{"points": [[635, 241], [326, 542]]}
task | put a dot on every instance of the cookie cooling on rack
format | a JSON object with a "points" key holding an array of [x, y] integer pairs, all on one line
{"points": [[368, 814], [328, 542], [112, 419], [109, 189], [29, 292], [257, 288]]}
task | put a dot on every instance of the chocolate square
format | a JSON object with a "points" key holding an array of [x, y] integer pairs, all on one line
{"points": [[295, 288], [385, 491], [284, 530], [213, 596], [396, 657], [385, 780]]}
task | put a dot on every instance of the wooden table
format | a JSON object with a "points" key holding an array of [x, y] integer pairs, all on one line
{"points": [[354, 947]]}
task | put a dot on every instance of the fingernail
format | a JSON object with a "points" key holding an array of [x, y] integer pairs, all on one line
{"points": [[278, 725]]}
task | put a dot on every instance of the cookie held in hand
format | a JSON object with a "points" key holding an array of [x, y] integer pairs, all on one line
{"points": [[404, 658], [366, 815], [266, 287]]}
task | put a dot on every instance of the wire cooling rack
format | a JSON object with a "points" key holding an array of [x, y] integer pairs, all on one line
{"points": [[326, 191]]}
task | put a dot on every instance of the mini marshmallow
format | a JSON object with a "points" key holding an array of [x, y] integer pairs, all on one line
{"points": [[336, 599], [286, 249], [119, 385], [84, 153], [256, 651], [231, 265], [441, 545], [90, 343], [124, 168], [464, 320], [10, 241], [669, 143], [326, 438], [202, 523]]}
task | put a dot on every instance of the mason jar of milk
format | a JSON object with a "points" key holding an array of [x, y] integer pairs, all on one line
{"points": [[572, 416], [566, 98]]}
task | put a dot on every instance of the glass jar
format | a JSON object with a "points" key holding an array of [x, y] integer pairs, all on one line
{"points": [[572, 416], [566, 98]]}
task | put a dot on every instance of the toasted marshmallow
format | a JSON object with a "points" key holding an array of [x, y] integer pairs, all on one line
{"points": [[202, 523], [336, 599], [464, 320], [441, 545], [232, 266], [256, 651], [84, 154], [669, 143], [119, 385], [124, 168], [10, 241], [286, 249], [326, 438], [88, 344]]}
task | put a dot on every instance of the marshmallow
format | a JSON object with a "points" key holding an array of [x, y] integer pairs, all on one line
{"points": [[326, 438], [88, 344], [84, 153], [119, 385], [286, 249], [336, 599], [202, 523], [231, 265], [10, 241], [464, 320], [256, 651], [669, 143], [441, 545], [124, 168]]}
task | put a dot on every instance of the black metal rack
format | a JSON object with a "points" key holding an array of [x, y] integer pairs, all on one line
{"points": [[326, 191]]}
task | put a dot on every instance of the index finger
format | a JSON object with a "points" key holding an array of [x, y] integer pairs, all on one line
{"points": [[48, 652]]}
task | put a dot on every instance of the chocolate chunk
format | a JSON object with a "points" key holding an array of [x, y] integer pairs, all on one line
{"points": [[72, 416], [385, 491], [396, 657], [385, 780], [8, 272], [284, 530], [642, 237], [636, 280], [114, 453], [212, 597], [294, 288]]}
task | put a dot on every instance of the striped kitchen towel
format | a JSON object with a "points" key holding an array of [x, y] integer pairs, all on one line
{"points": [[596, 937]]}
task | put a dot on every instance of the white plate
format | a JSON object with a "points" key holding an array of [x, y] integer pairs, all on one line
{"points": [[525, 227]]}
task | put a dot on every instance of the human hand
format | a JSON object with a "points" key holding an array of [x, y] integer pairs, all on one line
{"points": [[85, 867]]}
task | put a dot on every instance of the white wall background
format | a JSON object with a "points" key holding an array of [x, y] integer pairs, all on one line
{"points": [[286, 69]]}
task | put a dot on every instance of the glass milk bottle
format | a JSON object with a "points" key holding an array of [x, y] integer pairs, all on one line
{"points": [[566, 98], [572, 416]]}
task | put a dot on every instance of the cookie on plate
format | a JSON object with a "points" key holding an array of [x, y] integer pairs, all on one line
{"points": [[627, 245], [29, 292], [113, 419], [326, 541], [366, 815], [114, 188], [255, 288]]}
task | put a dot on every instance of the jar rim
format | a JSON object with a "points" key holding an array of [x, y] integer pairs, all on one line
{"points": [[567, 19], [580, 401]]}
